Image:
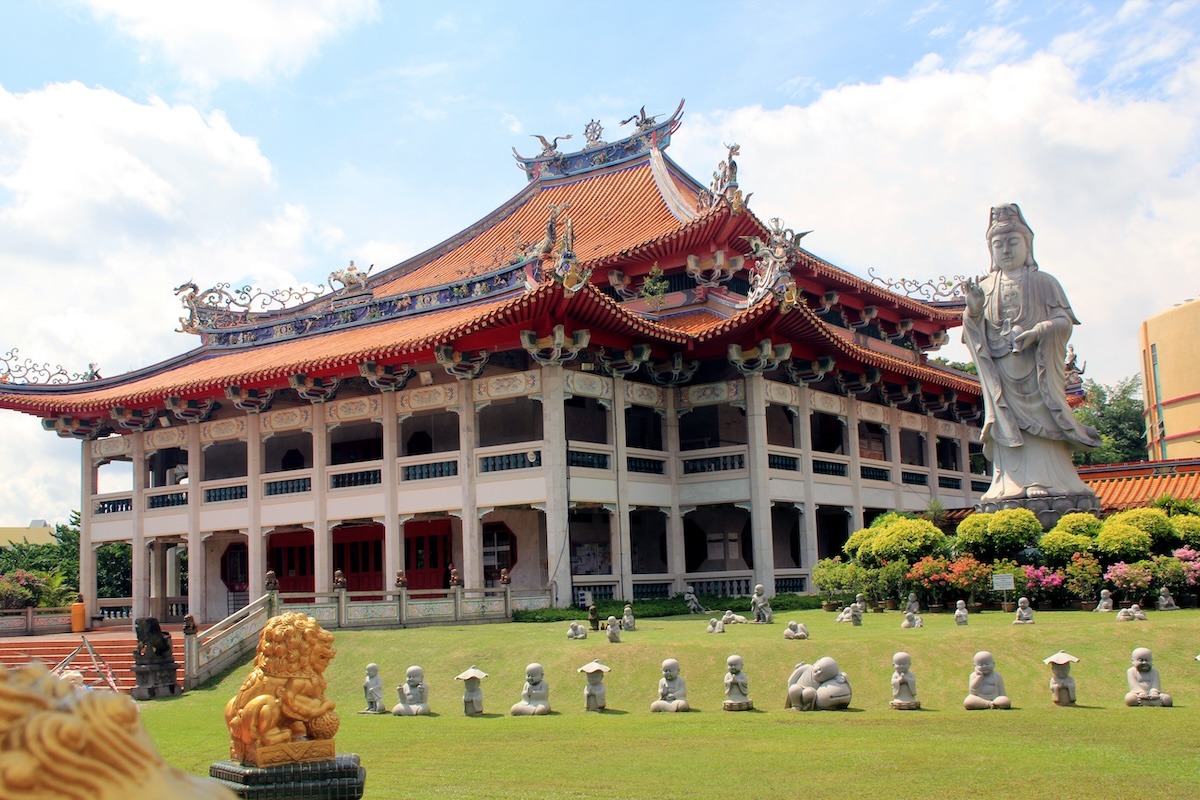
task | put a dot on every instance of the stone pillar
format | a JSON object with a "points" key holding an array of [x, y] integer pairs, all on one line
{"points": [[676, 560], [140, 583], [855, 469], [622, 544], [158, 579], [197, 558], [895, 464], [392, 540], [322, 536], [931, 457], [472, 538], [558, 486], [87, 553], [808, 557], [256, 550], [758, 468], [173, 569], [964, 461]]}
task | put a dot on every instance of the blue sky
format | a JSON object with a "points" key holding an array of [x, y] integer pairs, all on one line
{"points": [[144, 143]]}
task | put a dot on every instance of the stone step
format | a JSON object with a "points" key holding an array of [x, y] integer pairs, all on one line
{"points": [[116, 653]]}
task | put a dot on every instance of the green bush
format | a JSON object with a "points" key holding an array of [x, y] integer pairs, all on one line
{"points": [[1188, 529], [1152, 521], [908, 539], [1058, 546], [1120, 541], [836, 578], [1012, 530], [858, 545], [1079, 523], [1170, 572], [13, 594], [972, 534], [893, 580]]}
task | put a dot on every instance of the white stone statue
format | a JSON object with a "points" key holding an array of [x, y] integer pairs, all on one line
{"points": [[672, 691], [693, 604], [818, 687], [594, 693], [373, 691], [913, 605], [715, 626], [1106, 602], [795, 630], [904, 684], [1024, 612], [614, 630], [960, 613], [1132, 614], [1144, 686], [472, 690], [628, 623], [576, 631], [1016, 325], [985, 687], [1062, 685], [912, 620], [414, 694], [851, 614], [535, 695], [737, 686], [761, 606], [731, 618], [860, 603], [1165, 602]]}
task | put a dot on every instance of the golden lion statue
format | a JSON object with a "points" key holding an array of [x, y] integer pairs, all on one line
{"points": [[281, 714], [63, 742]]}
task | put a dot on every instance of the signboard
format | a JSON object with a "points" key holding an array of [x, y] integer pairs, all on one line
{"points": [[1003, 581]]}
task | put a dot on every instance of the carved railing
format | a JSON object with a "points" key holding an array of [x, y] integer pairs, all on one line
{"points": [[875, 474], [283, 486], [722, 584], [34, 621], [225, 494], [835, 469], [447, 467], [354, 478], [113, 505], [224, 644], [653, 590]]}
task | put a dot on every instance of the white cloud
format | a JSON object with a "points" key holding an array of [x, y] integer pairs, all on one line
{"points": [[249, 40], [987, 47], [106, 205], [510, 122], [899, 175]]}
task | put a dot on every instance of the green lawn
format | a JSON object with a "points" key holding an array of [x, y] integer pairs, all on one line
{"points": [[1101, 749]]}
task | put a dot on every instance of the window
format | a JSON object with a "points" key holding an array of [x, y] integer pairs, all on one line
{"points": [[499, 551]]}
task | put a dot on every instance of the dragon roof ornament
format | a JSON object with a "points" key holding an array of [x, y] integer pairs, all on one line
{"points": [[648, 134], [17, 370], [224, 307], [940, 290], [724, 185], [773, 260]]}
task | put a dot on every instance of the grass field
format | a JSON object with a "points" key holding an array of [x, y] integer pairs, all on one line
{"points": [[1099, 750]]}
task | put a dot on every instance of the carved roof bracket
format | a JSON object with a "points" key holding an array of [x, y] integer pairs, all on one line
{"points": [[802, 372], [764, 358], [938, 340], [251, 401], [386, 377], [76, 427], [860, 385], [903, 394], [967, 412], [624, 362], [194, 410], [135, 419], [715, 272], [937, 405], [903, 329], [314, 390], [458, 364], [868, 315], [553, 349], [673, 372]]}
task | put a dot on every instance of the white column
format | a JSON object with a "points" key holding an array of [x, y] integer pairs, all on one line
{"points": [[87, 553], [808, 556], [622, 544], [895, 464], [322, 536], [554, 466], [856, 511], [256, 555], [757, 466], [197, 557], [392, 557], [676, 558], [964, 461], [173, 568], [140, 584], [931, 456], [472, 540]]}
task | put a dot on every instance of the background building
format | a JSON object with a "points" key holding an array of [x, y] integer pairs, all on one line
{"points": [[1171, 381]]}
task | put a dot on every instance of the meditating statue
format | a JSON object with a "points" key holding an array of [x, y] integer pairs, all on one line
{"points": [[1132, 614], [594, 693], [414, 694], [594, 617], [373, 690], [904, 684], [913, 604], [472, 690], [912, 620], [851, 614], [860, 603], [1062, 685], [795, 630], [576, 631], [985, 687], [1144, 686], [818, 687], [960, 613], [535, 695], [1165, 602], [715, 626], [761, 606], [1016, 325], [693, 604], [628, 623], [1024, 612], [1106, 602], [731, 618], [672, 691], [737, 686], [614, 630]]}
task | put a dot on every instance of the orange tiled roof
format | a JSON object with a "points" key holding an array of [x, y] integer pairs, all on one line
{"points": [[1123, 486]]}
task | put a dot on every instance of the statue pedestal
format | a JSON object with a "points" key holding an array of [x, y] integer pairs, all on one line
{"points": [[737, 705], [155, 679], [339, 778], [906, 705], [1049, 509]]}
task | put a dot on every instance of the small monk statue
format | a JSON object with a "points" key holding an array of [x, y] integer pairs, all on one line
{"points": [[1132, 614], [960, 613], [414, 694], [904, 684], [761, 606], [692, 602], [594, 693], [737, 686], [1144, 686], [911, 620], [913, 604], [1062, 685], [985, 686], [1106, 602], [1024, 612], [795, 630], [576, 631], [672, 691], [730, 618], [1165, 602], [535, 695], [373, 691], [628, 623], [472, 690], [614, 630], [594, 617], [715, 626]]}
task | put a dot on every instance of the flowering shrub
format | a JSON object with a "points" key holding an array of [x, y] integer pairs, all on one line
{"points": [[1169, 571], [1058, 546], [968, 575], [1042, 582], [1190, 559], [931, 574], [1132, 579], [1120, 541], [13, 595], [23, 587], [1083, 576]]}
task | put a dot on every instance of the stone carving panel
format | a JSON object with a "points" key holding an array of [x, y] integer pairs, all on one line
{"points": [[287, 419], [426, 397], [512, 385], [946, 428], [828, 403], [914, 422], [783, 393], [873, 413], [645, 395], [222, 429], [709, 394], [166, 437], [112, 446], [587, 384], [353, 408]]}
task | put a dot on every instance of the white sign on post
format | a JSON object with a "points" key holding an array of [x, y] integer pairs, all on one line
{"points": [[1003, 581]]}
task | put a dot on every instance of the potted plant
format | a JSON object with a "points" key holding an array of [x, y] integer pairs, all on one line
{"points": [[930, 575], [894, 581], [1132, 580], [834, 578], [1042, 583], [1190, 559], [1084, 578], [969, 577]]}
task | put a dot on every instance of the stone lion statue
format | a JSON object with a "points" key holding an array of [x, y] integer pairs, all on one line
{"points": [[58, 740], [283, 697], [153, 643]]}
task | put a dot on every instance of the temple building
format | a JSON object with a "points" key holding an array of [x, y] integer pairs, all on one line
{"points": [[621, 381], [1170, 388]]}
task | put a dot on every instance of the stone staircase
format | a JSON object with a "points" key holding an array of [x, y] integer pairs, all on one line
{"points": [[116, 651]]}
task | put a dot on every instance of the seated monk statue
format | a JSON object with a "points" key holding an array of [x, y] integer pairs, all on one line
{"points": [[1165, 602], [715, 626], [535, 695], [1132, 614], [985, 686], [960, 613], [911, 620], [795, 630], [818, 687], [1144, 686], [576, 631], [672, 691], [414, 694], [1024, 612], [1106, 602]]}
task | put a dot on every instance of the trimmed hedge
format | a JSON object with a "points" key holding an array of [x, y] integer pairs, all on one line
{"points": [[1153, 522]]}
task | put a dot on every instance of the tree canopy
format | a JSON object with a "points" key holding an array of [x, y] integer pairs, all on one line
{"points": [[1116, 412]]}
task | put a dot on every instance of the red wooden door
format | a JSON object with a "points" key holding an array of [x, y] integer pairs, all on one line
{"points": [[427, 554], [291, 556], [358, 553]]}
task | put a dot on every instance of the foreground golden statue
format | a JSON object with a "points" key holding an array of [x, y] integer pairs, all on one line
{"points": [[281, 714], [62, 742]]}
